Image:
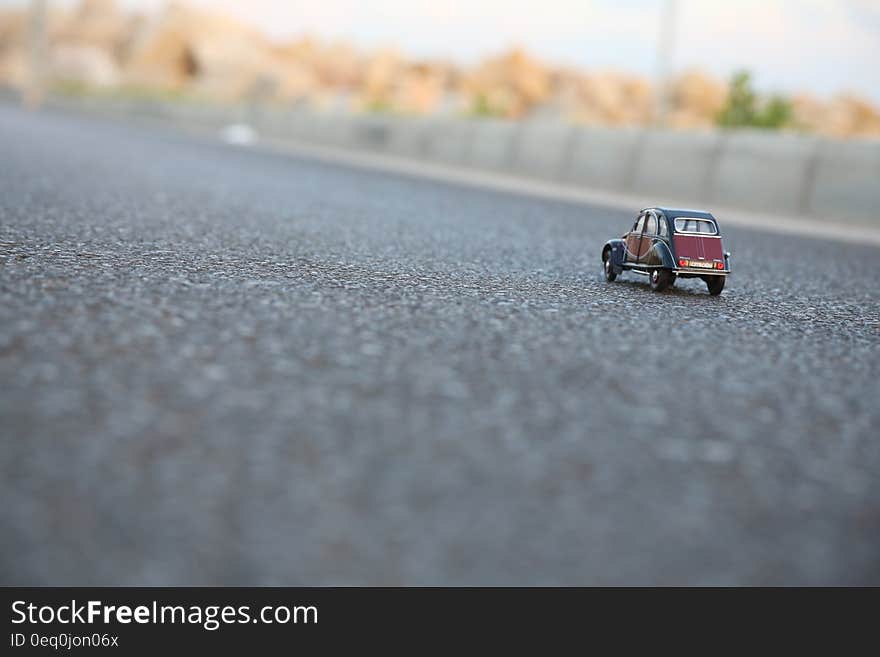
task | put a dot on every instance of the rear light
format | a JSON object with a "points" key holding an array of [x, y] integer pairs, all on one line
{"points": [[719, 265], [682, 262]]}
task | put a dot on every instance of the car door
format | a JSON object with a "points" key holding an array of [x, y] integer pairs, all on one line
{"points": [[646, 243], [634, 239]]}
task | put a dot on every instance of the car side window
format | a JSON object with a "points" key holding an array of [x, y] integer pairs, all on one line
{"points": [[663, 227], [651, 227], [640, 223]]}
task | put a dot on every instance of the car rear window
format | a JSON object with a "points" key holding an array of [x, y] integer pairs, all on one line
{"points": [[694, 225]]}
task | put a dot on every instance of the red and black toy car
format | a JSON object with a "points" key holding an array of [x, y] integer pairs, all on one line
{"points": [[666, 244]]}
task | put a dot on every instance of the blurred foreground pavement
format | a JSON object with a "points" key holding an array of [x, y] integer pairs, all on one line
{"points": [[225, 366]]}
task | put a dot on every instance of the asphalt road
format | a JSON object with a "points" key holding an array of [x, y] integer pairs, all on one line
{"points": [[227, 366]]}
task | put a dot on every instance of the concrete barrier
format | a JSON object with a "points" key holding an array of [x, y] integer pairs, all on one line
{"points": [[764, 172], [448, 141], [602, 158], [188, 113], [543, 149], [331, 129], [846, 182], [493, 144], [676, 165], [274, 122], [370, 133], [407, 137], [771, 173]]}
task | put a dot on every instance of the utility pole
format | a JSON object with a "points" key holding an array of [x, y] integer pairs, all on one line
{"points": [[665, 51], [36, 48]]}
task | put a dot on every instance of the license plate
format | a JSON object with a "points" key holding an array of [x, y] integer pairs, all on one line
{"points": [[701, 264]]}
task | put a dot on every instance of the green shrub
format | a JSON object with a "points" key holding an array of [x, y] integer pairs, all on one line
{"points": [[744, 109]]}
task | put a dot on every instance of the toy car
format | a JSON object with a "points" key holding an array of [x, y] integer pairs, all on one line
{"points": [[665, 244]]}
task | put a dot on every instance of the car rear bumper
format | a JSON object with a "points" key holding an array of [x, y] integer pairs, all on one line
{"points": [[700, 272]]}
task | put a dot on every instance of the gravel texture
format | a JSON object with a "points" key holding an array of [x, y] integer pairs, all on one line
{"points": [[226, 366]]}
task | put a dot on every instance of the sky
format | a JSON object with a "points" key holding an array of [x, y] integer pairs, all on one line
{"points": [[821, 46]]}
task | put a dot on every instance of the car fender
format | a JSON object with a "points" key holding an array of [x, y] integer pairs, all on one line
{"points": [[617, 253], [665, 253]]}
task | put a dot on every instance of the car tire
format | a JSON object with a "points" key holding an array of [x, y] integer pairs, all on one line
{"points": [[715, 284], [610, 274], [661, 279]]}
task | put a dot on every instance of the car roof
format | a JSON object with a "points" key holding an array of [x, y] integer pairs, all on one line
{"points": [[672, 213]]}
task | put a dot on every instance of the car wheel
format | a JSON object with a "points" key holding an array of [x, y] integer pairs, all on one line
{"points": [[661, 279], [715, 284], [610, 274]]}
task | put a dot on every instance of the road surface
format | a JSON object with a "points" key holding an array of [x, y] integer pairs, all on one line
{"points": [[227, 366]]}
